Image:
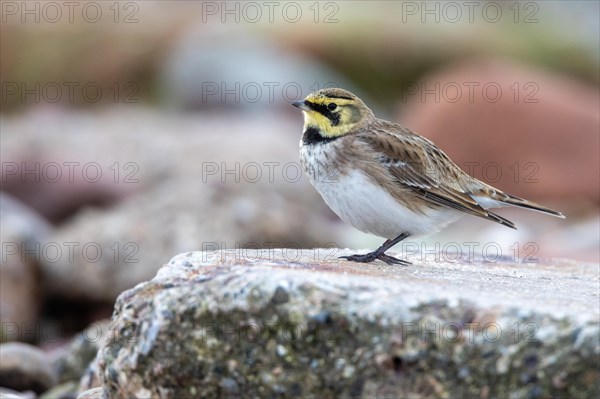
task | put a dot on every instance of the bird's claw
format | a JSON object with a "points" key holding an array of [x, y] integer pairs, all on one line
{"points": [[370, 257]]}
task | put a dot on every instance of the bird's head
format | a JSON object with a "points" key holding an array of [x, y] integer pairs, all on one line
{"points": [[334, 112]]}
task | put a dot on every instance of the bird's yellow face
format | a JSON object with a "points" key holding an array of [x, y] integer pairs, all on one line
{"points": [[333, 112]]}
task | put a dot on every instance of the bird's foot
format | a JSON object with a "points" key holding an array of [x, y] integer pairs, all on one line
{"points": [[371, 256], [390, 260]]}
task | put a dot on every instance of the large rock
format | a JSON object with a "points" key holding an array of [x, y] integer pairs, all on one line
{"points": [[288, 323]]}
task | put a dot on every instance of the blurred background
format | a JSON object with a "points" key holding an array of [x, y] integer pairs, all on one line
{"points": [[134, 131]]}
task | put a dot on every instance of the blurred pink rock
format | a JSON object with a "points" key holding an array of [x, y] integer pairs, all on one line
{"points": [[527, 131], [57, 162]]}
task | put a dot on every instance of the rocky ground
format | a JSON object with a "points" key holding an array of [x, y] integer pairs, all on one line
{"points": [[291, 323], [303, 323]]}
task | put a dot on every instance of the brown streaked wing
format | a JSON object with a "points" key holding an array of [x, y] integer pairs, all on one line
{"points": [[417, 163]]}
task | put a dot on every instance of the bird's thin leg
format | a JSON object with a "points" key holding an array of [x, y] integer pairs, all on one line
{"points": [[379, 253], [390, 243]]}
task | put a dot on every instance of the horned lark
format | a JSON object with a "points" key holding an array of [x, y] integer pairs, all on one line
{"points": [[386, 180]]}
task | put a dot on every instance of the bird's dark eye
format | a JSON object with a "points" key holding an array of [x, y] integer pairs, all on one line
{"points": [[331, 106]]}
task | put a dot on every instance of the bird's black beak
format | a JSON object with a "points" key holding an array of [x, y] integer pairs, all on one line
{"points": [[301, 104]]}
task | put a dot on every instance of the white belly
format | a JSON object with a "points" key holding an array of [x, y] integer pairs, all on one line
{"points": [[369, 208]]}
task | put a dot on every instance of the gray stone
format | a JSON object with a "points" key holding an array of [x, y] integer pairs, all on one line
{"points": [[24, 367], [274, 322]]}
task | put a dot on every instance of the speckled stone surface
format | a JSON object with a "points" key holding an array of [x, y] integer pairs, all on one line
{"points": [[303, 323]]}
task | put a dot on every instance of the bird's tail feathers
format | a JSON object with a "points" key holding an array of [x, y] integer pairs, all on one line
{"points": [[497, 199], [523, 203]]}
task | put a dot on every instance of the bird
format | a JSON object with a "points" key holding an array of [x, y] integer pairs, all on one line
{"points": [[384, 179]]}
